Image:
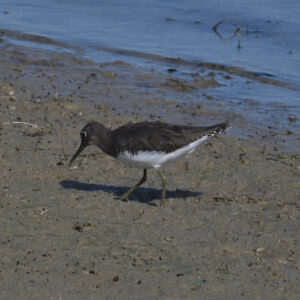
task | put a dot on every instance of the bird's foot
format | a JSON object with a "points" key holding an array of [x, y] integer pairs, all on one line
{"points": [[121, 198], [162, 203]]}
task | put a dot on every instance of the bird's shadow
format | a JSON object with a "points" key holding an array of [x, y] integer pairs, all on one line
{"points": [[142, 194]]}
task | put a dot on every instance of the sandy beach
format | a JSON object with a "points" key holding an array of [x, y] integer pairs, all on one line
{"points": [[230, 229]]}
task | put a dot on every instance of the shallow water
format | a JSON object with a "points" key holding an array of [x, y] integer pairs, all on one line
{"points": [[257, 44], [268, 36]]}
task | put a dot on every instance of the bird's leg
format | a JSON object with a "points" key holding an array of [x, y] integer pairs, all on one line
{"points": [[163, 193], [126, 195]]}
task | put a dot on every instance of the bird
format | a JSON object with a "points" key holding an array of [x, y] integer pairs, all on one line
{"points": [[146, 145]]}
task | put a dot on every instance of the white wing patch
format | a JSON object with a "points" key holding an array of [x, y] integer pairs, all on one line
{"points": [[152, 159]]}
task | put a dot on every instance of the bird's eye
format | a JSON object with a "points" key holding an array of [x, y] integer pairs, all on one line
{"points": [[83, 135]]}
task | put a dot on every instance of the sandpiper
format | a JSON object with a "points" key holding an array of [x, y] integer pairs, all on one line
{"points": [[146, 144]]}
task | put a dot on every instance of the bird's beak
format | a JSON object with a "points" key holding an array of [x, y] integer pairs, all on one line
{"points": [[81, 147]]}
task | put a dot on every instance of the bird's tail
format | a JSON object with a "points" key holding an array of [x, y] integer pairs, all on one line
{"points": [[218, 128]]}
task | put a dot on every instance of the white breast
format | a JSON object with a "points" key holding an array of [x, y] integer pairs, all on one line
{"points": [[152, 159]]}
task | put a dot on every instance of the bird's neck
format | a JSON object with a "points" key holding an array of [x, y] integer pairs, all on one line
{"points": [[105, 143]]}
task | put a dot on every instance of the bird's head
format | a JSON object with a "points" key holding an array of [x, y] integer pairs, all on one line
{"points": [[90, 135]]}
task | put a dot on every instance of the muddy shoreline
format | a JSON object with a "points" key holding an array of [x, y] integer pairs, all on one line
{"points": [[229, 229]]}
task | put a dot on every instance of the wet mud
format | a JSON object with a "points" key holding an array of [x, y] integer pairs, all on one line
{"points": [[230, 229]]}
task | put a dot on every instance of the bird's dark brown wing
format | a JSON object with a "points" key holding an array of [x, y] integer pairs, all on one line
{"points": [[158, 136]]}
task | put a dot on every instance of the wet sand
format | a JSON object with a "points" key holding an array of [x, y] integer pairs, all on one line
{"points": [[230, 229]]}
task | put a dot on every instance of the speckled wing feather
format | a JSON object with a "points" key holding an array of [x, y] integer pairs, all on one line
{"points": [[158, 136]]}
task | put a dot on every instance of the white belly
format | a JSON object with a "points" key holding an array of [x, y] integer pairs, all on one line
{"points": [[152, 159]]}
